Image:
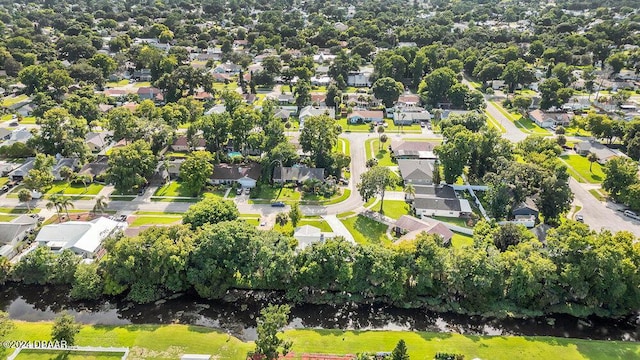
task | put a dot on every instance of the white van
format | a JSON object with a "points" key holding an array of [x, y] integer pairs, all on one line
{"points": [[631, 214]]}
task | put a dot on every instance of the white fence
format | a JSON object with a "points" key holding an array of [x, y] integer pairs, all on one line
{"points": [[124, 351]]}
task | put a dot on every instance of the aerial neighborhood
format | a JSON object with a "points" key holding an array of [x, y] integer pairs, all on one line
{"points": [[468, 158]]}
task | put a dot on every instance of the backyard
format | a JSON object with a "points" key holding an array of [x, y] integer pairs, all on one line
{"points": [[395, 208], [171, 341], [76, 191], [579, 169], [366, 231]]}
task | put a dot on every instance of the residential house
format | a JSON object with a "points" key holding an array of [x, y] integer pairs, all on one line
{"points": [[96, 168], [315, 111], [283, 114], [320, 80], [221, 77], [410, 115], [217, 109], [150, 93], [441, 207], [546, 119], [417, 172], [603, 153], [19, 135], [525, 213], [22, 171], [153, 43], [413, 150], [5, 134], [297, 174], [308, 235], [249, 98], [323, 58], [360, 78], [366, 116], [116, 93], [286, 99], [62, 162], [203, 96], [408, 100], [142, 75], [318, 99], [182, 144], [432, 191], [84, 238], [408, 227], [98, 141], [6, 167], [14, 231], [227, 68], [246, 175]]}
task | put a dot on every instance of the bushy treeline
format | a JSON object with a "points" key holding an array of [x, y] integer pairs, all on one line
{"points": [[577, 271]]}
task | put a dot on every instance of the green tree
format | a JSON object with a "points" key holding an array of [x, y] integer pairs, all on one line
{"points": [[319, 137], [516, 72], [101, 204], [131, 165], [620, 173], [592, 157], [65, 329], [388, 90], [210, 211], [437, 85], [40, 177], [409, 191], [270, 322], [87, 283], [24, 196], [617, 61], [303, 94], [36, 267], [62, 133], [555, 198], [295, 215], [196, 171], [123, 124], [400, 351], [6, 325], [375, 182]]}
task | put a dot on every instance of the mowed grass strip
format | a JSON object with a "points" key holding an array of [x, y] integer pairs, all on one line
{"points": [[366, 231], [32, 354], [172, 341], [580, 166], [155, 220]]}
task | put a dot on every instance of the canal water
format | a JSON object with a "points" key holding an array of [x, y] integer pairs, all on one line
{"points": [[36, 303]]}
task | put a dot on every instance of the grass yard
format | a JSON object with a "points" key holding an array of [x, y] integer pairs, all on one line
{"points": [[340, 196], [172, 341], [66, 188], [173, 188], [111, 84], [141, 212], [232, 86], [382, 154], [142, 84], [395, 208], [579, 169], [494, 123], [29, 120], [270, 193], [7, 218], [366, 231], [8, 101], [459, 240], [524, 124], [397, 181], [3, 180], [598, 194], [16, 210], [33, 354], [343, 146], [155, 220], [319, 223], [455, 221]]}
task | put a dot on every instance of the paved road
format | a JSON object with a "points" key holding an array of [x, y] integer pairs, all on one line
{"points": [[513, 133]]}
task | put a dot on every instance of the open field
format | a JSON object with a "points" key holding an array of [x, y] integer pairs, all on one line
{"points": [[579, 169], [171, 341]]}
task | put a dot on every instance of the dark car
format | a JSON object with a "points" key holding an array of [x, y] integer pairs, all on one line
{"points": [[422, 124], [277, 204], [580, 218], [4, 189]]}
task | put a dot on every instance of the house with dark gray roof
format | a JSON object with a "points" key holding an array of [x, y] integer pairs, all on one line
{"points": [[297, 174], [434, 191], [417, 172], [441, 207], [246, 175], [408, 227]]}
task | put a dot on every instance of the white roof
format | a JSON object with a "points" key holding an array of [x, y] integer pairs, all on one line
{"points": [[79, 236], [307, 230]]}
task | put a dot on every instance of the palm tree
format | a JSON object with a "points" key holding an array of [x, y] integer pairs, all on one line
{"points": [[380, 132], [54, 201], [410, 191], [101, 204], [592, 157], [24, 196], [66, 203]]}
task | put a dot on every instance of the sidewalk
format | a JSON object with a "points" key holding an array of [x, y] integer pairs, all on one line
{"points": [[338, 227]]}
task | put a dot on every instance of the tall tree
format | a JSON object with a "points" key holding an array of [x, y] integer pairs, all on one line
{"points": [[196, 171], [65, 329], [40, 177], [400, 351], [620, 173], [24, 196], [131, 165], [210, 211], [319, 136], [62, 133], [375, 182], [271, 321], [388, 90], [295, 214]]}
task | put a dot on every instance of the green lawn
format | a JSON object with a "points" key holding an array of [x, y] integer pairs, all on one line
{"points": [[381, 152], [494, 123], [142, 84], [460, 240], [319, 223], [111, 84], [8, 101], [15, 210], [6, 218], [171, 341], [232, 86], [395, 208], [455, 221], [524, 124], [598, 194], [154, 220], [343, 146], [579, 169], [366, 231], [270, 193], [33, 354], [345, 214], [173, 188], [390, 129], [3, 180], [29, 120], [66, 188], [397, 181], [340, 196], [141, 212]]}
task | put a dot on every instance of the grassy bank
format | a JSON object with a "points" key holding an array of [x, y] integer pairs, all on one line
{"points": [[171, 341]]}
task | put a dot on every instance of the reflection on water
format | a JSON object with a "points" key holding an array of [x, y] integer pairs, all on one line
{"points": [[238, 317]]}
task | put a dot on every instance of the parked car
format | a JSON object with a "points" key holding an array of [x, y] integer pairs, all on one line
{"points": [[238, 191], [422, 124], [247, 191], [580, 218], [4, 189], [277, 204]]}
